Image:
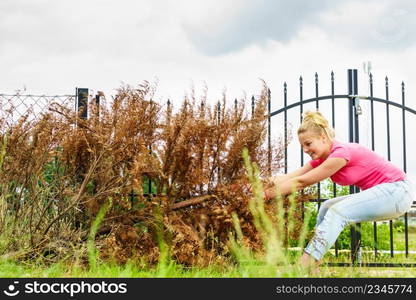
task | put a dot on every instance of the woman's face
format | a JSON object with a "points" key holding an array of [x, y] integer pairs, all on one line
{"points": [[316, 146]]}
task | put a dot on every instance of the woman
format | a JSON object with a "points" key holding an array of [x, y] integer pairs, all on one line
{"points": [[385, 191]]}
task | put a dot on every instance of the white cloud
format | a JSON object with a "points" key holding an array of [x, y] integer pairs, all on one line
{"points": [[54, 46], [371, 26], [238, 24]]}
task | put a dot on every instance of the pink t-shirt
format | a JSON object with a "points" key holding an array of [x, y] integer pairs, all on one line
{"points": [[364, 167]]}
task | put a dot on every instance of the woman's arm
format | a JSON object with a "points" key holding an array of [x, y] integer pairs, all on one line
{"points": [[275, 180], [314, 175], [279, 179]]}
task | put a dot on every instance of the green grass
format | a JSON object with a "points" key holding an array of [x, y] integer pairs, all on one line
{"points": [[172, 270], [399, 241]]}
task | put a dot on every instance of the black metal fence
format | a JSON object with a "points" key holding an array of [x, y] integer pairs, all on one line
{"points": [[353, 111]]}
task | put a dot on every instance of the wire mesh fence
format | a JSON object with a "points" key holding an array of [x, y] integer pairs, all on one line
{"points": [[14, 107]]}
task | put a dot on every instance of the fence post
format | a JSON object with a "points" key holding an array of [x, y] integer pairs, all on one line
{"points": [[97, 103], [354, 138], [81, 102], [252, 106]]}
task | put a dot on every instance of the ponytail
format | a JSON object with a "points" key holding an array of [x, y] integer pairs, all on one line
{"points": [[315, 122]]}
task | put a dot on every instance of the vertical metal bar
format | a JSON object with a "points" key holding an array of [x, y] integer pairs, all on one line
{"points": [[252, 106], [169, 110], [285, 122], [372, 113], [357, 140], [285, 145], [353, 137], [404, 129], [389, 158], [219, 113], [333, 99], [334, 186], [97, 104], [269, 133], [76, 100], [317, 108], [301, 115], [373, 148], [150, 180], [406, 225], [301, 119], [357, 132], [350, 107], [316, 91], [388, 120]]}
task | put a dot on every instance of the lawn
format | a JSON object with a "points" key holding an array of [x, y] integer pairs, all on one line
{"points": [[251, 269]]}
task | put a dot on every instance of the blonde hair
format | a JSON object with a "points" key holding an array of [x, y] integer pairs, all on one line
{"points": [[316, 123]]}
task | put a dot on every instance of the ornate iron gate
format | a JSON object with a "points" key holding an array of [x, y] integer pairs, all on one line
{"points": [[354, 112]]}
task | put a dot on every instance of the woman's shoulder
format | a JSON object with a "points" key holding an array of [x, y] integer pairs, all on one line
{"points": [[347, 145], [353, 149], [340, 145]]}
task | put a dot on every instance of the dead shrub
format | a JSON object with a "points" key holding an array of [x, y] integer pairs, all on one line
{"points": [[58, 171]]}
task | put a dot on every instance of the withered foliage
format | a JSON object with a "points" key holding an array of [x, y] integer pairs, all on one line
{"points": [[58, 171]]}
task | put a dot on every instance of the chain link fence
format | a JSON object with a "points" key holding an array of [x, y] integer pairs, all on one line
{"points": [[14, 107]]}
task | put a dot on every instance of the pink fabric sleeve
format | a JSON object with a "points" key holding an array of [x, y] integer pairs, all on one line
{"points": [[314, 163], [341, 152]]}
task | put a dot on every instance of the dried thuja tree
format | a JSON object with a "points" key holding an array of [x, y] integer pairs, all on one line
{"points": [[200, 153], [115, 143], [58, 171], [195, 156], [32, 189], [200, 147]]}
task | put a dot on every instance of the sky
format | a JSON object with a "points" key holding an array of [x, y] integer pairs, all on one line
{"points": [[51, 47]]}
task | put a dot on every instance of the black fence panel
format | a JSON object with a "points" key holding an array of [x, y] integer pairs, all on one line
{"points": [[354, 111]]}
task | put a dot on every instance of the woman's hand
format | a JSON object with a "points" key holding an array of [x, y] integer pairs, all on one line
{"points": [[278, 179], [245, 187], [269, 193], [269, 187]]}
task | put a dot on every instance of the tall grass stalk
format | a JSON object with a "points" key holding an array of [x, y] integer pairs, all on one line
{"points": [[3, 191], [239, 250], [291, 214], [165, 264], [92, 251], [276, 259], [3, 151]]}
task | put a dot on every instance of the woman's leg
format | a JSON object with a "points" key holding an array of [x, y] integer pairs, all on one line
{"points": [[306, 260], [384, 201], [325, 206]]}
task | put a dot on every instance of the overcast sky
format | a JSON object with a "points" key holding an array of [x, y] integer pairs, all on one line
{"points": [[53, 46]]}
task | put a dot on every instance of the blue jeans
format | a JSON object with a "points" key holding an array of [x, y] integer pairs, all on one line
{"points": [[381, 202]]}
